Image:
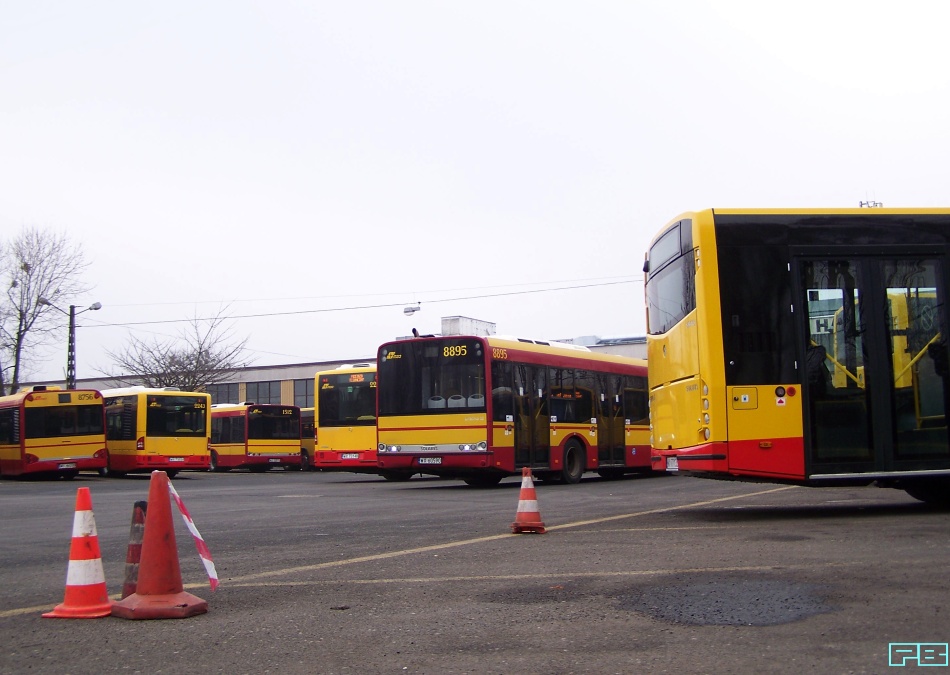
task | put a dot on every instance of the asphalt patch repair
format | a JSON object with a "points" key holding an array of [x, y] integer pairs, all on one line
{"points": [[727, 600]]}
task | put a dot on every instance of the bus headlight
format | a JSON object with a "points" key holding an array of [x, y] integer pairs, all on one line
{"points": [[482, 446], [381, 447]]}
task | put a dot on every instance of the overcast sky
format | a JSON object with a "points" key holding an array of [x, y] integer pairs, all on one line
{"points": [[309, 159]]}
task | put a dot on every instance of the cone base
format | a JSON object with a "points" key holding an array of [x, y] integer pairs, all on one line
{"points": [[530, 528], [165, 606], [65, 611]]}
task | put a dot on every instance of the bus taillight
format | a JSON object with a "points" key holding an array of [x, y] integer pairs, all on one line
{"points": [[30, 459], [99, 454], [140, 443]]}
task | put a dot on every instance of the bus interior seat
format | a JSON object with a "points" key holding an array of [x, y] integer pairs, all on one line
{"points": [[456, 401], [476, 401], [436, 402]]}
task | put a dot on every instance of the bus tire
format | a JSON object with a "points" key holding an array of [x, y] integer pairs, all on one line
{"points": [[574, 462], [305, 464], [933, 492], [396, 476], [483, 481]]}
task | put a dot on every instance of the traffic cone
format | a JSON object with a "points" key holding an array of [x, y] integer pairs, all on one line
{"points": [[133, 555], [159, 593], [528, 518], [86, 593]]}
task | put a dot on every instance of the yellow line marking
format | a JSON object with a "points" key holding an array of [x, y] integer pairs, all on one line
{"points": [[494, 537], [241, 581], [545, 575]]}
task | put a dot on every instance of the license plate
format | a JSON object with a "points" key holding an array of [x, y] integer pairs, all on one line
{"points": [[274, 460], [176, 459], [672, 464], [66, 465], [350, 455], [430, 460]]}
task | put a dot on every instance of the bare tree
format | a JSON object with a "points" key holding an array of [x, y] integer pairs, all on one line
{"points": [[35, 264], [204, 353]]}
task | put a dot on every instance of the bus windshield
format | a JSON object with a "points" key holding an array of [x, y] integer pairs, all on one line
{"points": [[347, 399], [70, 420], [175, 416], [432, 376], [273, 423]]}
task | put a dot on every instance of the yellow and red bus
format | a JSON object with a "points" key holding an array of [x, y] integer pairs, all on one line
{"points": [[804, 345], [49, 430], [154, 429], [307, 439], [255, 436], [345, 412], [482, 408]]}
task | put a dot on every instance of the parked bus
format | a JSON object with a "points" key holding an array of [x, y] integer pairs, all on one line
{"points": [[255, 436], [48, 430], [345, 402], [154, 429], [804, 346], [482, 408], [307, 439]]}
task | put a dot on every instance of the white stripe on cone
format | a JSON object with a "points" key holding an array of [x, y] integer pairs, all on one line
{"points": [[85, 572], [528, 506], [84, 524]]}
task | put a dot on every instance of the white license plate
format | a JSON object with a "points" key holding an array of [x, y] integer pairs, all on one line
{"points": [[350, 455], [672, 464], [274, 460], [430, 460], [176, 459], [66, 465]]}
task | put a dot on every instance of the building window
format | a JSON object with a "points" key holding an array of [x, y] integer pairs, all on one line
{"points": [[224, 393], [303, 393], [264, 392]]}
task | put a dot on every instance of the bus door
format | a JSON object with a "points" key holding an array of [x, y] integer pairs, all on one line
{"points": [[875, 363], [610, 426], [532, 424]]}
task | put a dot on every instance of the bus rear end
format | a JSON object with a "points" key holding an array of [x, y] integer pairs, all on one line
{"points": [[432, 413], [346, 419], [52, 431], [157, 430], [255, 436]]}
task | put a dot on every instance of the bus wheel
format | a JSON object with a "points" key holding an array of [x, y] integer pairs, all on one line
{"points": [[934, 493], [574, 462], [304, 461], [104, 471], [213, 462], [171, 473], [396, 476], [483, 481]]}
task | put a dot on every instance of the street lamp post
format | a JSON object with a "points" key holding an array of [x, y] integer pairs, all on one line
{"points": [[71, 350]]}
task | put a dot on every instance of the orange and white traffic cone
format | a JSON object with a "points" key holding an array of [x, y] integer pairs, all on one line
{"points": [[159, 593], [528, 518], [86, 593]]}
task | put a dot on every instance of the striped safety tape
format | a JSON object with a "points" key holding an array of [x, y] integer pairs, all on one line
{"points": [[200, 544]]}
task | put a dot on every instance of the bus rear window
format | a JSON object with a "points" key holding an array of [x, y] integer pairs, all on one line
{"points": [[57, 421]]}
